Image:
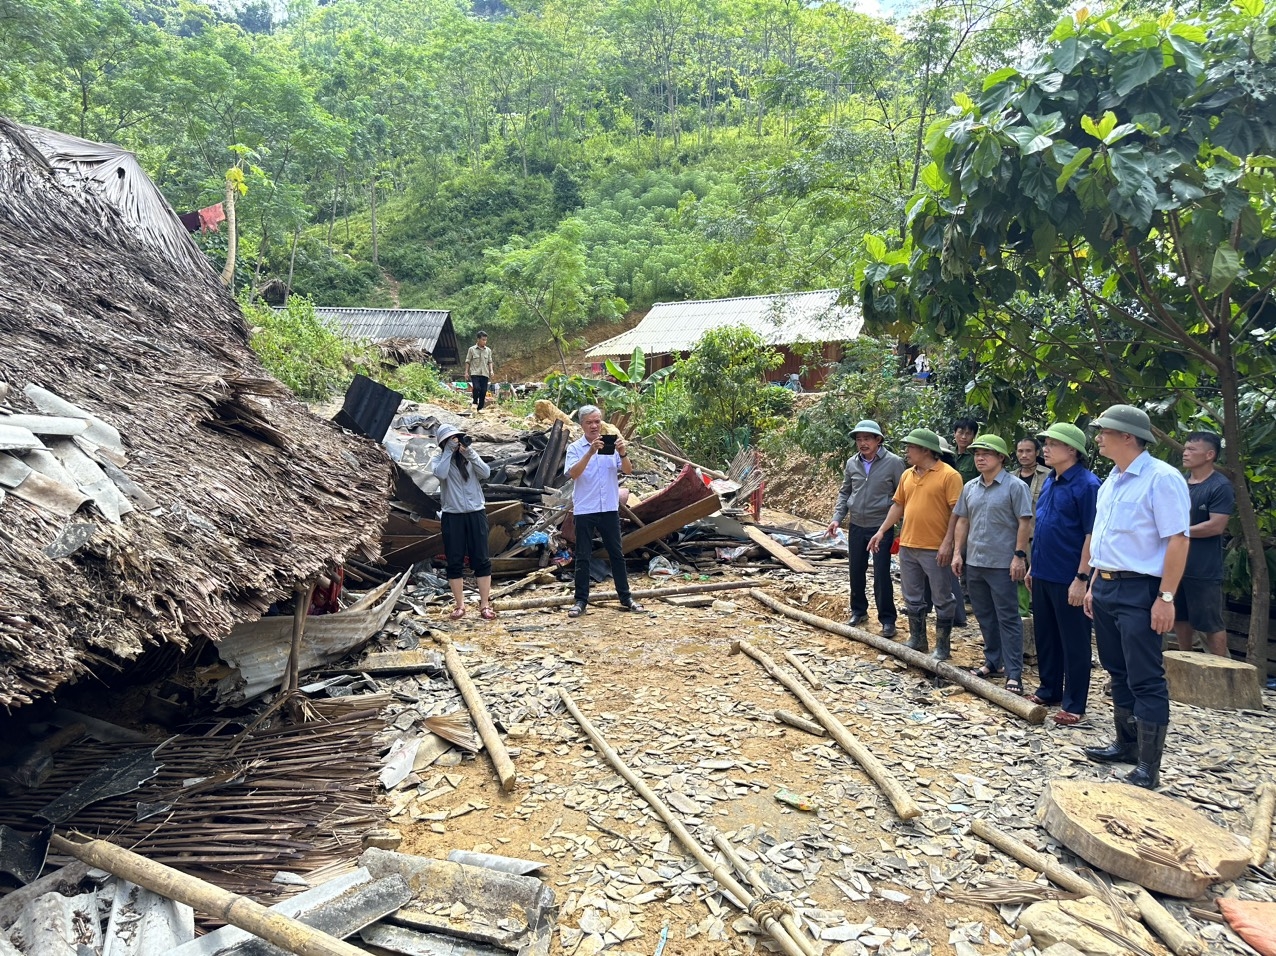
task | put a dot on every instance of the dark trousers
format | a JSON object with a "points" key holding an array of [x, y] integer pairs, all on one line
{"points": [[607, 524], [1129, 649], [1062, 633], [478, 387], [465, 535], [883, 590]]}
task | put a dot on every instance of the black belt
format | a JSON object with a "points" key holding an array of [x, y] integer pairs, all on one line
{"points": [[1120, 575]]}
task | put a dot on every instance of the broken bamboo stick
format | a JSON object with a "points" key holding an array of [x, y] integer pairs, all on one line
{"points": [[905, 806], [682, 461], [566, 598], [240, 911], [1019, 706], [762, 910], [482, 719], [1260, 833], [801, 723], [802, 669], [1159, 920], [303, 597], [755, 881]]}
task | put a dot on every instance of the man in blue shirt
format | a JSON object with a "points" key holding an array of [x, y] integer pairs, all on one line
{"points": [[1058, 577], [595, 472], [1137, 551]]}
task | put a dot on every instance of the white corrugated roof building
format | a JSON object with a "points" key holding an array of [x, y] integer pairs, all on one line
{"points": [[786, 319]]}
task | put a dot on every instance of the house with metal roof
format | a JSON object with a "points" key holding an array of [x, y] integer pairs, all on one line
{"points": [[671, 329], [406, 334]]}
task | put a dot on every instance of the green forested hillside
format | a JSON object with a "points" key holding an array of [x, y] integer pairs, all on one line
{"points": [[491, 158]]}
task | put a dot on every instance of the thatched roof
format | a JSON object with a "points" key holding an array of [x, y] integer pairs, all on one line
{"points": [[236, 492]]}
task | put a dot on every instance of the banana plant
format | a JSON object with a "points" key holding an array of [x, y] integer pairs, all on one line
{"points": [[626, 393]]}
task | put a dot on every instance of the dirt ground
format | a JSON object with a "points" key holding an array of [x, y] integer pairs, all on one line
{"points": [[696, 722]]}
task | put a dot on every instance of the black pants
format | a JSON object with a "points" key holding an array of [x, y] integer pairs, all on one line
{"points": [[465, 535], [883, 590], [1129, 649], [1062, 633], [607, 524], [478, 387]]}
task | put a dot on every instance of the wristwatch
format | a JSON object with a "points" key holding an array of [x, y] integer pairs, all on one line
{"points": [[1020, 554], [1083, 576], [1167, 597]]}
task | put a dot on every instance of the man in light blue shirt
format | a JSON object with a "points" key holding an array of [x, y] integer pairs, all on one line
{"points": [[594, 466], [1137, 553]]}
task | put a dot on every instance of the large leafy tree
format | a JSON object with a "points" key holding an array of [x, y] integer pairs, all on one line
{"points": [[1104, 215]]}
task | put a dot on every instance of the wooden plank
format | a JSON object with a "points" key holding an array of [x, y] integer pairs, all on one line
{"points": [[777, 550], [666, 525]]}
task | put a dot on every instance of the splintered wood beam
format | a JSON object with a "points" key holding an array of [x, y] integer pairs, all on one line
{"points": [[667, 525], [777, 550]]}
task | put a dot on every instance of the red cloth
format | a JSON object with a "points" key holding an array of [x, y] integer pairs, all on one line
{"points": [[1254, 922], [210, 216]]}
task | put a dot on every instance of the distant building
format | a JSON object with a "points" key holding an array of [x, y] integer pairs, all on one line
{"points": [[671, 329], [402, 335]]}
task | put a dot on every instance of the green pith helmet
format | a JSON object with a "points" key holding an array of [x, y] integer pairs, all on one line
{"points": [[867, 426], [1067, 433], [923, 438], [991, 443], [1128, 419]]}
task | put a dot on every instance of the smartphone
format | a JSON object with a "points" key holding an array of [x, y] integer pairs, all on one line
{"points": [[609, 445]]}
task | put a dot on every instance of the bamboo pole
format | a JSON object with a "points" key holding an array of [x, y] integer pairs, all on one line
{"points": [[801, 723], [1260, 833], [682, 461], [303, 597], [905, 807], [1054, 871], [1178, 940], [562, 600], [755, 881], [240, 911], [1032, 713], [482, 719], [802, 669], [743, 898]]}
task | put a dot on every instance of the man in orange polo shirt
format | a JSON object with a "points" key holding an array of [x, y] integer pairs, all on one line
{"points": [[927, 492]]}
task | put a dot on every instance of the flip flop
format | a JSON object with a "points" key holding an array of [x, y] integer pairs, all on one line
{"points": [[1066, 719], [488, 613], [987, 672], [457, 613]]}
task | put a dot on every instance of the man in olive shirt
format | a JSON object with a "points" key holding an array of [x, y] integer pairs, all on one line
{"points": [[871, 477], [478, 369]]}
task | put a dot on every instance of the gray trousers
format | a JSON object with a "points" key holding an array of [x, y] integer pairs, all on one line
{"points": [[994, 597], [916, 567]]}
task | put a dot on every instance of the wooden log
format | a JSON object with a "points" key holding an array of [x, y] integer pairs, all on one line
{"points": [[742, 897], [1206, 680], [1032, 713], [1158, 919], [563, 600], [756, 881], [777, 550], [1142, 836], [1054, 871], [905, 807], [482, 719], [1260, 833], [665, 526], [801, 723], [288, 934], [802, 669]]}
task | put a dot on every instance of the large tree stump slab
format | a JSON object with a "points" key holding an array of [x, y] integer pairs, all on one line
{"points": [[1206, 680], [1142, 836]]}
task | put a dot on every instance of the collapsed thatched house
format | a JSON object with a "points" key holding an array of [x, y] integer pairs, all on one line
{"points": [[173, 488]]}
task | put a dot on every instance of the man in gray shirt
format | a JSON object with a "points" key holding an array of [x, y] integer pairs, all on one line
{"points": [[871, 477], [993, 525]]}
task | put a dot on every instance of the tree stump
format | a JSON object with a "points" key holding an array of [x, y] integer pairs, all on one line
{"points": [[1219, 683], [1142, 836]]}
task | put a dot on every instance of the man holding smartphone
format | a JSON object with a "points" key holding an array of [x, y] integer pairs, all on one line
{"points": [[595, 463]]}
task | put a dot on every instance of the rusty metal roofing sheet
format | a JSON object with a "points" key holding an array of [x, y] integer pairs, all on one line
{"points": [[779, 319]]}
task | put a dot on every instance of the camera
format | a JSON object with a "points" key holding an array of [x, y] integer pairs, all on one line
{"points": [[465, 440]]}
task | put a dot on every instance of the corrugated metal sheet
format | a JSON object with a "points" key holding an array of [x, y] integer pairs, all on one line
{"points": [[778, 319], [377, 325]]}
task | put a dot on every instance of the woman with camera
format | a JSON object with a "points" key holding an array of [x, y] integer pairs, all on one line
{"points": [[460, 471]]}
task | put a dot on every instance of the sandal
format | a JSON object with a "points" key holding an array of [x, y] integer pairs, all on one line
{"points": [[634, 607], [1034, 699], [457, 613], [488, 613], [1066, 719], [1014, 686], [576, 610], [987, 672]]}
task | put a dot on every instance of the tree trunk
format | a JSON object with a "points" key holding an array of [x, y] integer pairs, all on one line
{"points": [[292, 262], [228, 273], [376, 259]]}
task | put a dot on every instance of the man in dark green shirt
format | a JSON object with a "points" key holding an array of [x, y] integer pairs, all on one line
{"points": [[964, 432]]}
